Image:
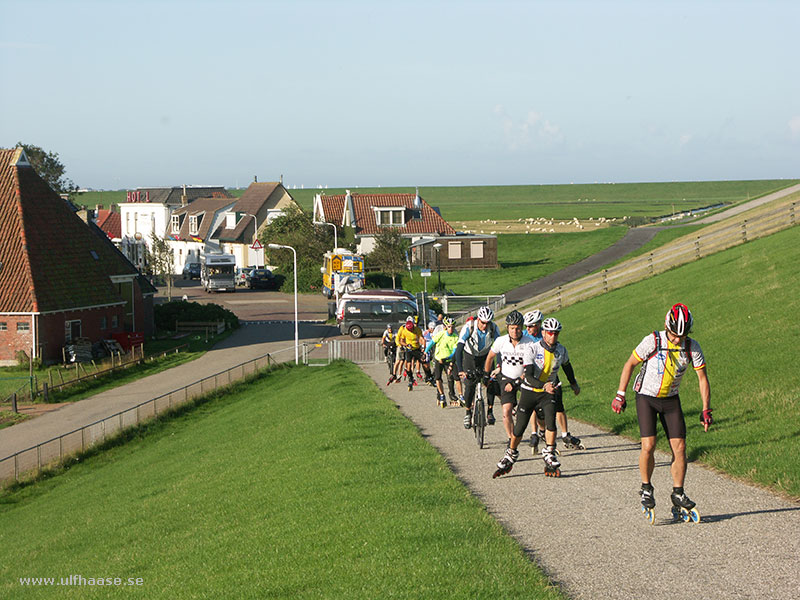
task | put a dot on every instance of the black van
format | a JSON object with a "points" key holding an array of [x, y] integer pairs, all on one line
{"points": [[370, 317]]}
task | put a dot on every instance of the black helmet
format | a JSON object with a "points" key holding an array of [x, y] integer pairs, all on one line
{"points": [[514, 318]]}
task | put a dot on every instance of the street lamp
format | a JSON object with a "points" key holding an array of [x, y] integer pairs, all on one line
{"points": [[296, 337], [437, 246], [255, 235], [335, 237]]}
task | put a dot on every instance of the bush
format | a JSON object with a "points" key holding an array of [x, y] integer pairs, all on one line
{"points": [[309, 279], [181, 310]]}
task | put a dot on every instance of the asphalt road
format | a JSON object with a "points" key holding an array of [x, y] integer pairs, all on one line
{"points": [[586, 529]]}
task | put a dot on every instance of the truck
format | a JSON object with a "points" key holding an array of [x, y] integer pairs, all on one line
{"points": [[342, 271], [217, 272]]}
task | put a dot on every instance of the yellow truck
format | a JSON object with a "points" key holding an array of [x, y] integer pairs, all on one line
{"points": [[342, 271]]}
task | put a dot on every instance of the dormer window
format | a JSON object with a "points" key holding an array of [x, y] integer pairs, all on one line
{"points": [[230, 220], [193, 224], [175, 224], [390, 216]]}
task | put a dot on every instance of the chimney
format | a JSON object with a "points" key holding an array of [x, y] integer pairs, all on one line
{"points": [[184, 199], [99, 207], [255, 178], [417, 201], [281, 178]]}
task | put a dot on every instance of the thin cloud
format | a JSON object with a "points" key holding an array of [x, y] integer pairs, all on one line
{"points": [[533, 129], [794, 127]]}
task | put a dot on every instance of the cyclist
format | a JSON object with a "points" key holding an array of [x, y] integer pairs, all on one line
{"points": [[509, 350], [474, 343], [666, 356], [389, 346], [533, 323], [426, 356], [541, 363], [410, 338], [443, 345]]}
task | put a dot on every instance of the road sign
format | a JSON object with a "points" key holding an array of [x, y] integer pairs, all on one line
{"points": [[256, 246], [425, 272]]}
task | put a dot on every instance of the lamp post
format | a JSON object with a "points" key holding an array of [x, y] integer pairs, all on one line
{"points": [[255, 235], [437, 246], [335, 237], [296, 337]]}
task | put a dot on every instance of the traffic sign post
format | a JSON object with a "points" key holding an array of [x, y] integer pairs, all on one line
{"points": [[425, 273]]}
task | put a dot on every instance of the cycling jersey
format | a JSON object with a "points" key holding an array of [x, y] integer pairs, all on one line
{"points": [[545, 364], [409, 338], [664, 364], [477, 342], [512, 356], [388, 338], [445, 345]]}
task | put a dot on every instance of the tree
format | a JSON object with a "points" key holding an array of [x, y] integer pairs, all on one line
{"points": [[49, 168], [389, 254], [294, 228], [160, 257]]}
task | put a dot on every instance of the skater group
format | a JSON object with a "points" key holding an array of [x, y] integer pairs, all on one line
{"points": [[522, 368]]}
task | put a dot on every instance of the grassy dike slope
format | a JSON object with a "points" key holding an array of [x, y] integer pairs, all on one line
{"points": [[308, 483], [745, 304]]}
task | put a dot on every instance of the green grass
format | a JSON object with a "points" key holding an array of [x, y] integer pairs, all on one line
{"points": [[228, 501], [745, 305], [523, 258], [567, 201], [661, 239]]}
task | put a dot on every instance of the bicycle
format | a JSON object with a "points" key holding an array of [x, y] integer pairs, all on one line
{"points": [[478, 407], [391, 356]]}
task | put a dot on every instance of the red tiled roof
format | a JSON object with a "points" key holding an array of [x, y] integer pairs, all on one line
{"points": [[428, 221], [51, 260], [110, 222], [256, 197]]}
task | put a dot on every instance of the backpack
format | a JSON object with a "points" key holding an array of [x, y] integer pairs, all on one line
{"points": [[687, 347], [490, 337]]}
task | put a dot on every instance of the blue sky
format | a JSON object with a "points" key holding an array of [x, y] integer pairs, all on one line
{"points": [[134, 94]]}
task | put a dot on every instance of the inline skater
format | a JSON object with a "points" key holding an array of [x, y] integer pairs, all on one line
{"points": [[426, 356], [410, 338], [533, 324], [665, 357], [389, 345], [474, 343], [541, 363], [509, 350], [443, 345]]}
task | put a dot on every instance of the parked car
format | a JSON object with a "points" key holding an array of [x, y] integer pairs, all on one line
{"points": [[370, 317], [241, 275], [261, 278], [191, 271]]}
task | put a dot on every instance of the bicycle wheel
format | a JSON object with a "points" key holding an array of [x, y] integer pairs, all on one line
{"points": [[479, 421]]}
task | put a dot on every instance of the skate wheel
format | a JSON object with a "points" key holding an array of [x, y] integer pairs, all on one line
{"points": [[649, 514], [694, 516], [581, 447], [557, 473], [676, 514]]}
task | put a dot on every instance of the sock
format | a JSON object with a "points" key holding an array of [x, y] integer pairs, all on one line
{"points": [[678, 491], [647, 486]]}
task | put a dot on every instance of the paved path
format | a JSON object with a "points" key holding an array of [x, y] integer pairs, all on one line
{"points": [[586, 530]]}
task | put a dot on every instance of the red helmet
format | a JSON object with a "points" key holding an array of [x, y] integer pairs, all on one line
{"points": [[679, 320]]}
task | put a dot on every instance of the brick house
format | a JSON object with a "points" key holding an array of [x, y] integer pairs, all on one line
{"points": [[60, 277], [190, 228], [417, 221]]}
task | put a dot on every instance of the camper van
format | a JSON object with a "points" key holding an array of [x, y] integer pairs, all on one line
{"points": [[218, 272], [342, 271]]}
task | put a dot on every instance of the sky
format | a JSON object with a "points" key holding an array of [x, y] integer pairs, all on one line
{"points": [[436, 93]]}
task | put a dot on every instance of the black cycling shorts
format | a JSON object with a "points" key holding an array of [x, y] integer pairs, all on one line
{"points": [[440, 367], [558, 399], [669, 412], [508, 397], [530, 403], [414, 354]]}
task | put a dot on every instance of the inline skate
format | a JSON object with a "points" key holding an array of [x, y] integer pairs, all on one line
{"points": [[648, 503], [683, 509], [506, 463], [552, 468], [570, 441]]}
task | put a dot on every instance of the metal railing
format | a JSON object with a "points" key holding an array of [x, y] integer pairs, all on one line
{"points": [[460, 306]]}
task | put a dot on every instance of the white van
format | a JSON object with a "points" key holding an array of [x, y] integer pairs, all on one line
{"points": [[218, 272]]}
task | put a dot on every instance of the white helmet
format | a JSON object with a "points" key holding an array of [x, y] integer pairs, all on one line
{"points": [[432, 325], [485, 314], [551, 324], [532, 318]]}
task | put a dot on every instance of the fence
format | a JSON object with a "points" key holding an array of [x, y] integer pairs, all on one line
{"points": [[458, 306], [672, 255], [58, 448]]}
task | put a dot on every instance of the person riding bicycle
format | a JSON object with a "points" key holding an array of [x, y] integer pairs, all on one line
{"points": [[410, 338], [509, 350], [533, 323], [443, 344], [389, 345], [665, 357], [474, 343], [542, 361]]}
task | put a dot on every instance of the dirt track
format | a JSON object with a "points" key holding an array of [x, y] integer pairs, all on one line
{"points": [[586, 529]]}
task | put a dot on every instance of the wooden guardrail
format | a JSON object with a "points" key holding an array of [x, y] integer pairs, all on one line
{"points": [[671, 255]]}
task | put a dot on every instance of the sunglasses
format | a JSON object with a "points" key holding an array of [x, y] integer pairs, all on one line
{"points": [[552, 332]]}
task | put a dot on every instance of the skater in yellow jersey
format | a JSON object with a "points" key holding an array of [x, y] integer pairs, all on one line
{"points": [[665, 356]]}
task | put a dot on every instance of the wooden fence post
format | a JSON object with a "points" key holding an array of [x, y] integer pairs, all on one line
{"points": [[697, 247], [605, 281], [744, 230], [791, 213], [650, 263], [558, 297]]}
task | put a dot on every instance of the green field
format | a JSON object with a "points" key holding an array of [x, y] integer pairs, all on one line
{"points": [[267, 492], [582, 201], [745, 305]]}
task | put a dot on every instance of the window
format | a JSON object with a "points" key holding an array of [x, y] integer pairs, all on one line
{"points": [[103, 323], [476, 249], [454, 250], [379, 308], [390, 216], [176, 224], [3, 326], [23, 327], [72, 330], [114, 321], [193, 224]]}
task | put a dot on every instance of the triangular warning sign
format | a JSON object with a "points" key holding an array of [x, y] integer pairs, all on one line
{"points": [[256, 245]]}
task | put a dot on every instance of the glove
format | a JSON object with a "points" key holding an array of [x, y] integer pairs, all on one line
{"points": [[705, 417], [618, 404]]}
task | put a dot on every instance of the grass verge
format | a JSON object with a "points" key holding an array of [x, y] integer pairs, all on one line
{"points": [[343, 499], [745, 305]]}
